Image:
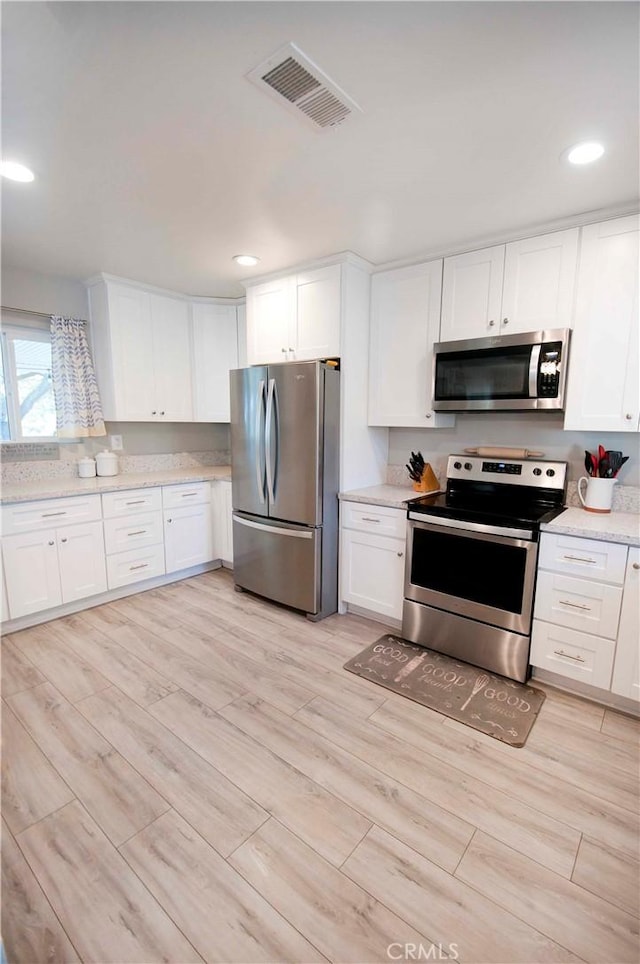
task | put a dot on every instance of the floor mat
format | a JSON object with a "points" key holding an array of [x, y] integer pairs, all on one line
{"points": [[497, 706]]}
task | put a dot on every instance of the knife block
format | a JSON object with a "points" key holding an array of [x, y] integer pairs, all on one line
{"points": [[428, 481]]}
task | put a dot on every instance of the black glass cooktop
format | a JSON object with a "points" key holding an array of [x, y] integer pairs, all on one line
{"points": [[496, 509]]}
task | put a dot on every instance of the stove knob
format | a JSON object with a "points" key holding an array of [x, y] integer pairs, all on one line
{"points": [[457, 465], [537, 471], [551, 472], [468, 466]]}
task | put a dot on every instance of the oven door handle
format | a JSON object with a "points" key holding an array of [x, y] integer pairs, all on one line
{"points": [[471, 527]]}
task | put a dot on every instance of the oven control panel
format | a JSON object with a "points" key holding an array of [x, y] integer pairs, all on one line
{"points": [[538, 473]]}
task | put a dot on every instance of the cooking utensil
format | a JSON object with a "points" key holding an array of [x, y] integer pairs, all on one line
{"points": [[413, 474], [502, 452], [590, 463], [604, 472], [625, 458], [479, 684]]}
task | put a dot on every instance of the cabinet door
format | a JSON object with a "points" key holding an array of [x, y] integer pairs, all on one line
{"points": [[603, 394], [81, 558], [372, 572], [270, 321], [132, 340], [222, 521], [472, 294], [405, 322], [215, 353], [626, 667], [188, 536], [31, 572], [171, 359], [317, 314], [539, 282]]}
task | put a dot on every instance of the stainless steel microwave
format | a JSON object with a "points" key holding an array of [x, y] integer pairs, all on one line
{"points": [[508, 373]]}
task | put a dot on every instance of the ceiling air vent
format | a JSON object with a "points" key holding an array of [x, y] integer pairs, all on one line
{"points": [[302, 87]]}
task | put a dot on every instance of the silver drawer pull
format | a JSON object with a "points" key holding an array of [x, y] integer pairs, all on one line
{"points": [[143, 565], [138, 532], [579, 559], [137, 502], [560, 652], [185, 495], [49, 515], [366, 518], [565, 602]]}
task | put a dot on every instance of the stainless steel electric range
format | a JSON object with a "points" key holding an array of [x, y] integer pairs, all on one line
{"points": [[471, 560]]}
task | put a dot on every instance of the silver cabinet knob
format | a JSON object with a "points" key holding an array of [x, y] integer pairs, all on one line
{"points": [[629, 416], [284, 350], [505, 321], [162, 413], [64, 539], [636, 565], [154, 413], [51, 542], [428, 415], [291, 349], [400, 555], [491, 324], [169, 520]]}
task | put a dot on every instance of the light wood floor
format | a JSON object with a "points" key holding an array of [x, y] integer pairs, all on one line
{"points": [[190, 775]]}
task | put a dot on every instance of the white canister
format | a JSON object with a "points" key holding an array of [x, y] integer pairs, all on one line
{"points": [[107, 463], [598, 495], [86, 468]]}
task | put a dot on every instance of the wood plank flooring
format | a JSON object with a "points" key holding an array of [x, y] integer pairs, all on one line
{"points": [[190, 775]]}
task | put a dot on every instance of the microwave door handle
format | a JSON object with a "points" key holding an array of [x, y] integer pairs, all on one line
{"points": [[534, 366]]}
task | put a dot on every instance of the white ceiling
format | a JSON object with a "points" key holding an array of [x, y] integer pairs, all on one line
{"points": [[156, 159]]}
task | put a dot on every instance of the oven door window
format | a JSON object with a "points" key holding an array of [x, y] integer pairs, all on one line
{"points": [[480, 570], [488, 373]]}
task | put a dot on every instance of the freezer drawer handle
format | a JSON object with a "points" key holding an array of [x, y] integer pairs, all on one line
{"points": [[561, 652], [278, 530]]}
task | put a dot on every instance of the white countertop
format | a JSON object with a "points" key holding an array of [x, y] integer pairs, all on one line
{"points": [[393, 496], [621, 527], [60, 488]]}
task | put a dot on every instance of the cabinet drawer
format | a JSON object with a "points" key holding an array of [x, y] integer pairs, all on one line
{"points": [[133, 532], [174, 496], [592, 607], [378, 519], [131, 502], [135, 565], [589, 558], [573, 654], [26, 516]]}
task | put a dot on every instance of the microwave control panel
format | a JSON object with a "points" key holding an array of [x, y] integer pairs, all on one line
{"points": [[549, 370]]}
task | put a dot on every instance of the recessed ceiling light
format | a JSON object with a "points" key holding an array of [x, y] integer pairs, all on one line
{"points": [[246, 259], [16, 172], [585, 153]]}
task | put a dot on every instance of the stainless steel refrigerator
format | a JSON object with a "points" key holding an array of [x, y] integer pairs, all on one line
{"points": [[285, 454]]}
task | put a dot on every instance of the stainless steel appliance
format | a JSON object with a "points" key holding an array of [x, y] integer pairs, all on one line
{"points": [[471, 560], [507, 373], [284, 452]]}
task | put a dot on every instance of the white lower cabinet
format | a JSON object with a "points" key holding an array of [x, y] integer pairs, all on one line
{"points": [[586, 617], [188, 532], [46, 569], [626, 671], [372, 562]]}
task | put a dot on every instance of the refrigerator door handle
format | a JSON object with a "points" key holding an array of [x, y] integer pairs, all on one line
{"points": [[261, 457], [271, 445], [276, 530]]}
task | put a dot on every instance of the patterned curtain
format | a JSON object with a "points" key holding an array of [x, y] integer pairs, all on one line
{"points": [[78, 409]]}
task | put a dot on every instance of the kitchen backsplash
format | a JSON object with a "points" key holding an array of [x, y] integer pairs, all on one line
{"points": [[65, 468], [626, 498]]}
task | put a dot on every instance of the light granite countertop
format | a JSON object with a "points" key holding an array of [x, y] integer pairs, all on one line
{"points": [[393, 496], [621, 527], [62, 487]]}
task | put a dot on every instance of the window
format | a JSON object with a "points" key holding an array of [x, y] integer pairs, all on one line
{"points": [[27, 407]]}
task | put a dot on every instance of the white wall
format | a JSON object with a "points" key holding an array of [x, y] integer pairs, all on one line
{"points": [[540, 431], [51, 294]]}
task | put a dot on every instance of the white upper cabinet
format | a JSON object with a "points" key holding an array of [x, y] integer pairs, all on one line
{"points": [[521, 286], [539, 282], [295, 318], [603, 393], [142, 352], [317, 313], [472, 294], [405, 322], [215, 353], [270, 321]]}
